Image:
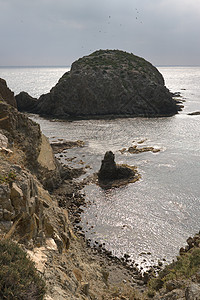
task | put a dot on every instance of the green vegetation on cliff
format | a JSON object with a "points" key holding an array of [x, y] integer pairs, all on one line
{"points": [[19, 278], [177, 274], [117, 60]]}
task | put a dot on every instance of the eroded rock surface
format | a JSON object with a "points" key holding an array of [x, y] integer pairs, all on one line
{"points": [[6, 93], [36, 220], [25, 135]]}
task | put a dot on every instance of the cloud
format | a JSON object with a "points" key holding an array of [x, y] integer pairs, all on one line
{"points": [[60, 31]]}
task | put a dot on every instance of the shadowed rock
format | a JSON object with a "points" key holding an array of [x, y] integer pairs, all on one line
{"points": [[6, 94], [25, 102], [195, 113], [109, 171], [107, 83]]}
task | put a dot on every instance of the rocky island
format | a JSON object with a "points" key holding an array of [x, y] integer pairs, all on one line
{"points": [[106, 83]]}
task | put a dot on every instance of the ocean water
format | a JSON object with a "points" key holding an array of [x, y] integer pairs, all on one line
{"points": [[156, 214], [33, 80]]}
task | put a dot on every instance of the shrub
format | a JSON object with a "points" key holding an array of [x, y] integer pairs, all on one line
{"points": [[11, 176], [183, 268], [19, 278]]}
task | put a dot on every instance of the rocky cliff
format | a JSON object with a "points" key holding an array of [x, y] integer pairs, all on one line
{"points": [[31, 216], [24, 135], [6, 93], [26, 157], [106, 83]]}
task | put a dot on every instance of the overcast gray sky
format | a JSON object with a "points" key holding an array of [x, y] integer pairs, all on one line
{"points": [[57, 32]]}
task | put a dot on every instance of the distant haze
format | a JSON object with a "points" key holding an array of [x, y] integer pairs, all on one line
{"points": [[57, 32]]}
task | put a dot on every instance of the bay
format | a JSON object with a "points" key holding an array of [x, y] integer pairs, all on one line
{"points": [[156, 214]]}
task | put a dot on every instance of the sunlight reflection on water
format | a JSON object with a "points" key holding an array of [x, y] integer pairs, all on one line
{"points": [[158, 213]]}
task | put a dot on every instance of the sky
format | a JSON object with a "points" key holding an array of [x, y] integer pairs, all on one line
{"points": [[57, 32]]}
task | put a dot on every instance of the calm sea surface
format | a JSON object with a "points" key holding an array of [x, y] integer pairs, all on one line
{"points": [[158, 213]]}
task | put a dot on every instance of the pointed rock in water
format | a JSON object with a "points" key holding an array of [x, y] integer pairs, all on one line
{"points": [[108, 83], [108, 168], [109, 171]]}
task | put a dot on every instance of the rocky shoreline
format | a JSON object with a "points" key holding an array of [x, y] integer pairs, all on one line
{"points": [[38, 197], [40, 209], [126, 270]]}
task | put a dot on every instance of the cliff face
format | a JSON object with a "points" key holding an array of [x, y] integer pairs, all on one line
{"points": [[30, 215], [24, 135], [25, 155], [33, 217], [107, 82], [6, 93]]}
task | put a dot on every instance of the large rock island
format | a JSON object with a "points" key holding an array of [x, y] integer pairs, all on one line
{"points": [[105, 83]]}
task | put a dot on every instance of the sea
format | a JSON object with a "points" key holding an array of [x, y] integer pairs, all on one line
{"points": [[151, 219]]}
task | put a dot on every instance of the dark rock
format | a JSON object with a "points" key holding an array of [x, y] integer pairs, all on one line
{"points": [[172, 285], [195, 113], [6, 94], [109, 171], [190, 242], [196, 240], [145, 277], [85, 288], [108, 168], [25, 102], [108, 83], [182, 251]]}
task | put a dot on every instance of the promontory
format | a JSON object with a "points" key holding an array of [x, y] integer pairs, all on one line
{"points": [[105, 83]]}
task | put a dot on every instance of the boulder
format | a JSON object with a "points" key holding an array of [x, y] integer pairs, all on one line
{"points": [[108, 83], [3, 141], [25, 102], [192, 291], [109, 171], [195, 113]]}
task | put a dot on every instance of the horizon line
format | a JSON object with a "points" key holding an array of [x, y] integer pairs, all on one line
{"points": [[38, 66], [69, 66]]}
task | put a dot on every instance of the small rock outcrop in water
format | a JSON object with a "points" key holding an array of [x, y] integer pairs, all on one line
{"points": [[106, 83], [25, 102], [195, 113], [109, 171]]}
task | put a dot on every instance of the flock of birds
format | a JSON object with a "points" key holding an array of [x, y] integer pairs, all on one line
{"points": [[109, 21]]}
